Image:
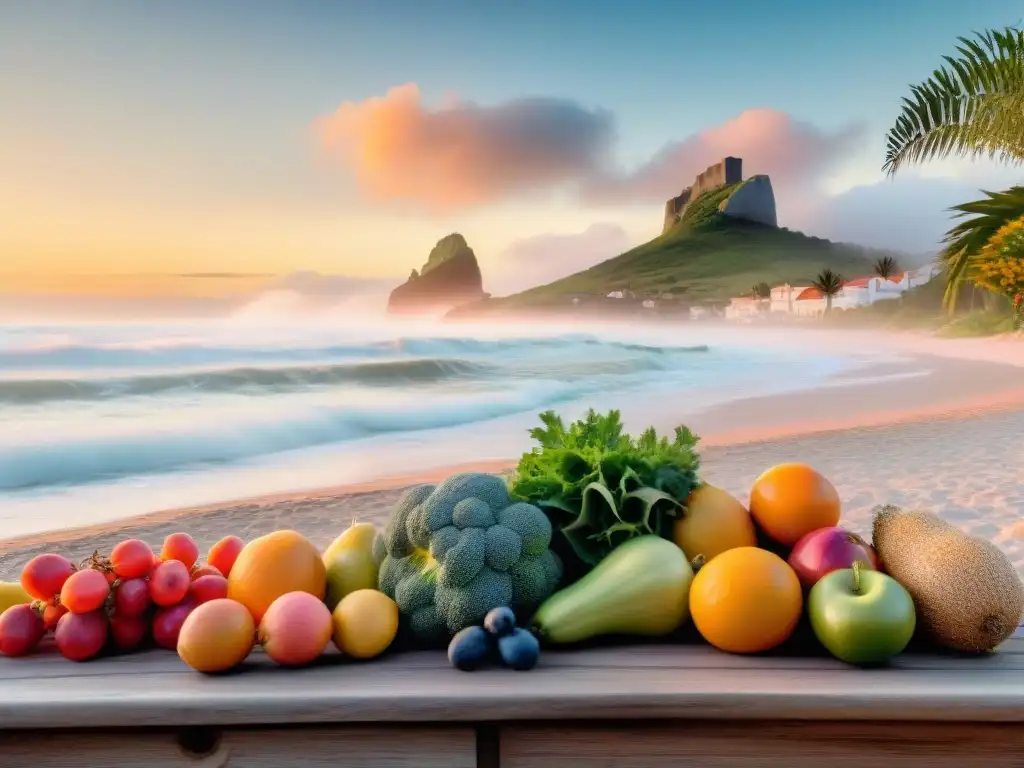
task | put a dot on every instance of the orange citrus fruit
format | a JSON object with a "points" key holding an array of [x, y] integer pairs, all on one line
{"points": [[274, 565], [790, 500], [746, 600]]}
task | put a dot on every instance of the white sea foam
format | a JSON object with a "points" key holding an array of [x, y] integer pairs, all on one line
{"points": [[134, 416]]}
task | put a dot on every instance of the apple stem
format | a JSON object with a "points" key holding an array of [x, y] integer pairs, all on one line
{"points": [[857, 566]]}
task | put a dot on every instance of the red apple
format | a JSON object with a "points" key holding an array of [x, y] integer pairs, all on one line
{"points": [[830, 549]]}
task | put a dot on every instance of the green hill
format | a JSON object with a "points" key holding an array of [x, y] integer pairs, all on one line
{"points": [[706, 257]]}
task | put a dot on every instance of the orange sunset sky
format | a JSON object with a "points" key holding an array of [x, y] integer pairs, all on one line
{"points": [[143, 143]]}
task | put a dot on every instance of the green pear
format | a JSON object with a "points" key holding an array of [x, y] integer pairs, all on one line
{"points": [[642, 588], [350, 563]]}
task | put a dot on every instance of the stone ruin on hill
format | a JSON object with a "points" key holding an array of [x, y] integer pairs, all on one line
{"points": [[753, 200]]}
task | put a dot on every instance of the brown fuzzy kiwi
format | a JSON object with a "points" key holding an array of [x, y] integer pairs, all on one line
{"points": [[967, 593]]}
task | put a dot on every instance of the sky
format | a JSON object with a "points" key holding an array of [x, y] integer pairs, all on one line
{"points": [[144, 143]]}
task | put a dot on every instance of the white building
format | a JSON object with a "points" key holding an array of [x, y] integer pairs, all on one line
{"points": [[745, 307], [783, 296], [808, 301], [915, 277]]}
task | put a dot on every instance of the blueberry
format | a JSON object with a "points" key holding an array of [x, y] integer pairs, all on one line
{"points": [[519, 650], [470, 649], [500, 621]]}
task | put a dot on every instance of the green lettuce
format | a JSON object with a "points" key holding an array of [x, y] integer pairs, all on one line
{"points": [[600, 487]]}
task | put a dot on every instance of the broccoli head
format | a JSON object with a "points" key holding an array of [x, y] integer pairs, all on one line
{"points": [[452, 552]]}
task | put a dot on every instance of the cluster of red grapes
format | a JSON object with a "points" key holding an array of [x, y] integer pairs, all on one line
{"points": [[121, 602]]}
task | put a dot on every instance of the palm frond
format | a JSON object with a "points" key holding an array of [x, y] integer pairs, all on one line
{"points": [[971, 107], [828, 282], [969, 236], [885, 267]]}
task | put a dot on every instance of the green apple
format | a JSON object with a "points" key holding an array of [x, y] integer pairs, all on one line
{"points": [[861, 616]]}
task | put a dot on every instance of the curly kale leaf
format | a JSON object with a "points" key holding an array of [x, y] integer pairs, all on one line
{"points": [[599, 486]]}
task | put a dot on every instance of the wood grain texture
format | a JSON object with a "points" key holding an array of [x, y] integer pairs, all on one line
{"points": [[379, 747], [763, 745], [651, 681]]}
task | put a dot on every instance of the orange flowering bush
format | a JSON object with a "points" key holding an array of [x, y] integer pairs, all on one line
{"points": [[999, 266]]}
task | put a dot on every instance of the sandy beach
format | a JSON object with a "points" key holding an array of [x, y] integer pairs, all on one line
{"points": [[948, 436]]}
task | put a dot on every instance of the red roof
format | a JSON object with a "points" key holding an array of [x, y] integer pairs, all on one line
{"points": [[860, 282], [810, 293]]}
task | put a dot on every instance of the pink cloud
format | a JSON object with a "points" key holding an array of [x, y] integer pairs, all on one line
{"points": [[768, 141], [463, 154]]}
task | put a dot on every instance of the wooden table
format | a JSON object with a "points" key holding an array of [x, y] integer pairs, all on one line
{"points": [[643, 706]]}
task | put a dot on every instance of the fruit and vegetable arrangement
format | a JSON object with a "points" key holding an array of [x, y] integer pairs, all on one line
{"points": [[597, 534], [276, 592]]}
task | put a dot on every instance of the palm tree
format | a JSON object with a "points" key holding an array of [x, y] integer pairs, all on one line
{"points": [[967, 238], [761, 291], [885, 267], [829, 283], [971, 107]]}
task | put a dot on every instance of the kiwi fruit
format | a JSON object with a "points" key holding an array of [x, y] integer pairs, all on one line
{"points": [[968, 595]]}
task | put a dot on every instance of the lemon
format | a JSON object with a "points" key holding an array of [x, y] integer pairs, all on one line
{"points": [[12, 593], [365, 623]]}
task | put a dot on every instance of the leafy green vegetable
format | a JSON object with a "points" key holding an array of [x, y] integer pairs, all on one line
{"points": [[601, 487]]}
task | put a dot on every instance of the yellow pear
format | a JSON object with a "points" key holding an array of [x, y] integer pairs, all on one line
{"points": [[349, 562], [713, 521]]}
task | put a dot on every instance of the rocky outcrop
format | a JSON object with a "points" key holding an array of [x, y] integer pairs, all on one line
{"points": [[451, 277], [753, 200], [756, 201]]}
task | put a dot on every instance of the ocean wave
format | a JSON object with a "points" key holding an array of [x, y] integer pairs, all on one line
{"points": [[63, 462], [241, 380], [187, 352]]}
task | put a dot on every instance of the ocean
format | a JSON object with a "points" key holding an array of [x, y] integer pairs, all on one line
{"points": [[100, 421]]}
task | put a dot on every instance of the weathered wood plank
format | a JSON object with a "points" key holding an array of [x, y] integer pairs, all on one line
{"points": [[762, 745], [598, 659], [670, 681], [48, 663], [344, 747], [387, 691]]}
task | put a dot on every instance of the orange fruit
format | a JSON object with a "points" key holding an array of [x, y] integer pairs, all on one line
{"points": [[746, 600], [217, 636], [274, 565], [713, 522], [790, 500]]}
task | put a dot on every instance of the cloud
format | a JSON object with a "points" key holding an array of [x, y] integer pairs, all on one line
{"points": [[315, 284], [793, 153], [463, 154], [540, 259], [909, 213]]}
